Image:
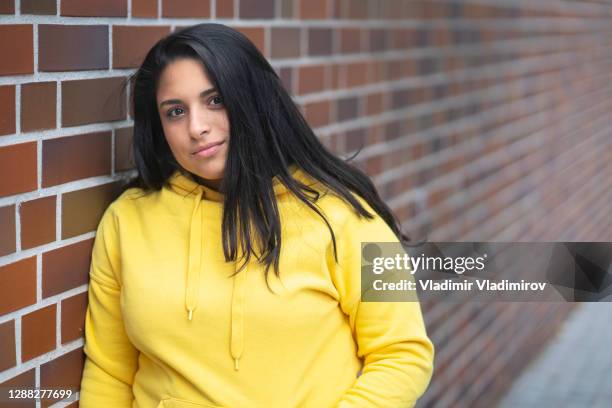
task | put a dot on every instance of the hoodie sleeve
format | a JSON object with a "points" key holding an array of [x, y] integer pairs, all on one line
{"points": [[111, 360], [390, 336]]}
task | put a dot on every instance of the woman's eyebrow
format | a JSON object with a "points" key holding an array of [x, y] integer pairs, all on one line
{"points": [[178, 101]]}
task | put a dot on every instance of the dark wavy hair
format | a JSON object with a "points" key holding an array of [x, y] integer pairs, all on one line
{"points": [[267, 135]]}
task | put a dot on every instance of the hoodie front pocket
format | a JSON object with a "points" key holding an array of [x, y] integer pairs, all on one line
{"points": [[180, 403]]}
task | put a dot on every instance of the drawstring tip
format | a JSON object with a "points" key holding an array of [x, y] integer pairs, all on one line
{"points": [[190, 314], [236, 366]]}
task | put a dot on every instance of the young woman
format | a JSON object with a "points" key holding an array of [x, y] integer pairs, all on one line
{"points": [[227, 274]]}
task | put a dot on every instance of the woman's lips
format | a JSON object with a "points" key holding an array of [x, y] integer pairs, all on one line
{"points": [[209, 151]]}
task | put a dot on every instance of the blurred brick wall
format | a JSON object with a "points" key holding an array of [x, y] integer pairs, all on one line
{"points": [[479, 120]]}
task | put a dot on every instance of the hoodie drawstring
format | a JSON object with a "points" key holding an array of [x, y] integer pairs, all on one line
{"points": [[194, 269], [195, 257], [237, 319]]}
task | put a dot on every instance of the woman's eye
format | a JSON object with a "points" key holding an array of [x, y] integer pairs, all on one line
{"points": [[216, 100], [173, 113]]}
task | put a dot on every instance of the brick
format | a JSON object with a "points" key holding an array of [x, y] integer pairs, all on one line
{"points": [[73, 317], [286, 77], [66, 268], [17, 41], [311, 79], [79, 108], [38, 106], [350, 40], [72, 47], [38, 332], [7, 6], [285, 42], [356, 74], [42, 7], [256, 9], [17, 285], [82, 209], [347, 108], [144, 8], [94, 8], [225, 9], [131, 44], [374, 104], [313, 9], [287, 9], [90, 155], [7, 106], [256, 35], [7, 233], [19, 382], [318, 113], [37, 222], [377, 40], [320, 41], [20, 162], [124, 155], [186, 8], [7, 345], [65, 372]]}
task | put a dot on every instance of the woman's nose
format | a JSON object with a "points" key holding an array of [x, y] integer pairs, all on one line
{"points": [[199, 123]]}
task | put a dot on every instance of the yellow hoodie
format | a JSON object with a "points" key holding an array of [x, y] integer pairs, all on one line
{"points": [[167, 326]]}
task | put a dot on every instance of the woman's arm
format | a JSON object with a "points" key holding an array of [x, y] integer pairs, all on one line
{"points": [[111, 360], [390, 336]]}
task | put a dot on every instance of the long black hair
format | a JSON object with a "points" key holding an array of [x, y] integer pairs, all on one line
{"points": [[267, 135]]}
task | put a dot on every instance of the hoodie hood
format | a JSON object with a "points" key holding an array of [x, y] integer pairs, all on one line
{"points": [[184, 185]]}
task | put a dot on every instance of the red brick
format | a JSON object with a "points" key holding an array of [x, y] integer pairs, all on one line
{"points": [[7, 345], [58, 49], [66, 268], [7, 6], [20, 161], [350, 40], [22, 381], [131, 44], [82, 209], [17, 41], [94, 8], [356, 74], [42, 7], [144, 8], [286, 76], [250, 9], [318, 113], [374, 103], [73, 317], [256, 35], [7, 233], [320, 41], [186, 8], [38, 106], [225, 9], [64, 372], [124, 155], [285, 42], [313, 9], [311, 79], [17, 285], [90, 155], [7, 106], [79, 108], [37, 222], [38, 332], [287, 9]]}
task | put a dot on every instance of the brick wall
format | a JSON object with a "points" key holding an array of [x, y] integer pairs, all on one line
{"points": [[479, 120]]}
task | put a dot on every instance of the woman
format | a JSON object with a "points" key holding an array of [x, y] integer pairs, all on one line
{"points": [[232, 184]]}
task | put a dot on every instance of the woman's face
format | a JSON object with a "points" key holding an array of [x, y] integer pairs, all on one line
{"points": [[194, 119]]}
